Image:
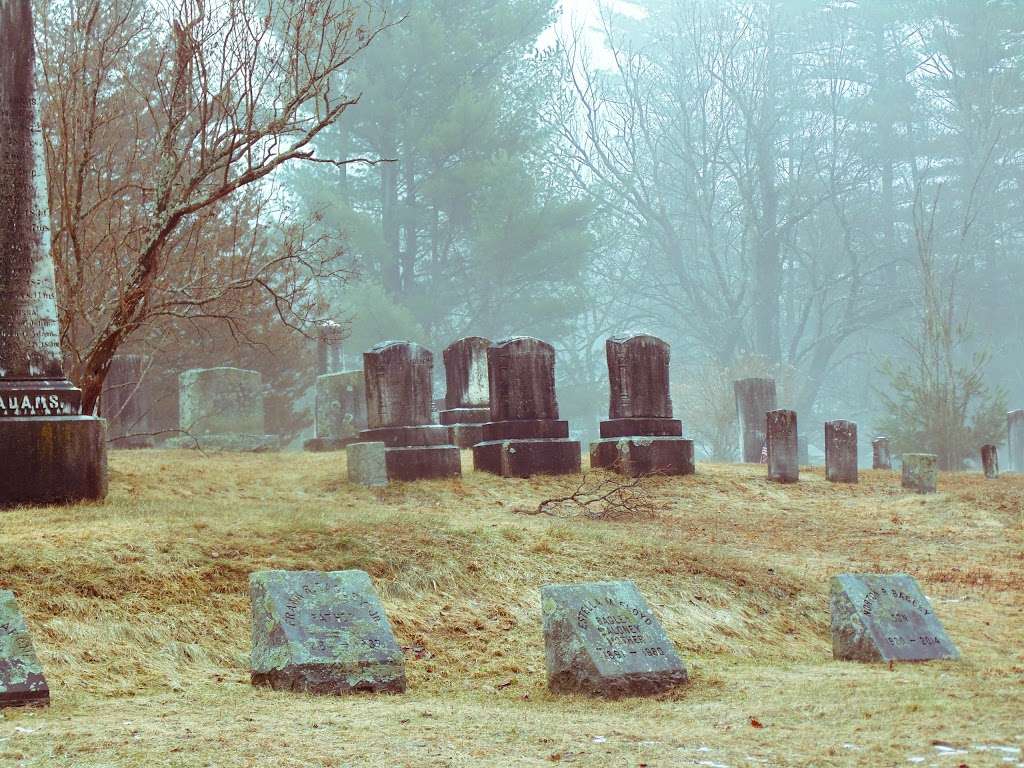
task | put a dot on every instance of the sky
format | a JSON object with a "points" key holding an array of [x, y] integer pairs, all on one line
{"points": [[586, 14]]}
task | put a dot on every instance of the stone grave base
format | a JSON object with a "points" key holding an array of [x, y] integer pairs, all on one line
{"points": [[135, 443], [53, 459], [328, 444], [227, 443], [386, 676], [635, 456], [423, 462], [403, 437], [466, 435], [650, 427], [367, 464], [522, 458], [464, 416]]}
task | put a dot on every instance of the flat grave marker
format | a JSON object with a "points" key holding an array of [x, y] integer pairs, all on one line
{"points": [[21, 676]]}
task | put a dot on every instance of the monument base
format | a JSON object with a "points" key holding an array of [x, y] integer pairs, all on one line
{"points": [[466, 435], [227, 443], [423, 462], [403, 437], [328, 444], [522, 458], [385, 676], [455, 416], [53, 460], [650, 427], [635, 456]]}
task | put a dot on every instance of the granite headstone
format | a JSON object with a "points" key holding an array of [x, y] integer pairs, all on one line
{"points": [[21, 676]]}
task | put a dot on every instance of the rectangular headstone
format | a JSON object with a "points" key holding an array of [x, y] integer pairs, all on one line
{"points": [[21, 676], [323, 633], [885, 618], [602, 639]]}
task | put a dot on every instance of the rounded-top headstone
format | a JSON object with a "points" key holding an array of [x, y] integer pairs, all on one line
{"points": [[465, 371], [522, 380], [399, 385], [221, 401], [638, 377]]}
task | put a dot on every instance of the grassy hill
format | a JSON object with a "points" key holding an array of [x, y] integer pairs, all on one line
{"points": [[139, 611]]}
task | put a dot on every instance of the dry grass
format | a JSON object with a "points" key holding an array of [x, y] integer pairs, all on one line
{"points": [[140, 614]]}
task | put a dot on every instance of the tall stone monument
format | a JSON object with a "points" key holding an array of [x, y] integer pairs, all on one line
{"points": [[1015, 440], [881, 454], [640, 436], [330, 338], [126, 403], [222, 409], [340, 411], [783, 447], [52, 453], [524, 436], [399, 406], [754, 398], [990, 461], [467, 402], [841, 451]]}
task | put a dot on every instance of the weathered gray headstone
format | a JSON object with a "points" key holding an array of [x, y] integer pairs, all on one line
{"points": [[21, 676], [51, 452], [783, 447], [881, 455], [330, 339], [640, 436], [602, 639], [367, 463], [990, 461], [222, 409], [467, 404], [1015, 440], [803, 448], [841, 451], [754, 399], [525, 436], [399, 403], [126, 403], [322, 633], [340, 411], [885, 618], [920, 472]]}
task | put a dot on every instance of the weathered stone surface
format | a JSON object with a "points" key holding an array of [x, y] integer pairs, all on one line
{"points": [[920, 472], [641, 455], [602, 639], [881, 455], [322, 633], [399, 385], [465, 416], [340, 405], [402, 437], [783, 447], [526, 457], [754, 398], [465, 369], [21, 676], [56, 460], [638, 377], [221, 401], [526, 429], [648, 427], [841, 451], [465, 435], [330, 339], [885, 618], [522, 380], [367, 464], [1015, 440], [428, 462], [990, 461], [126, 403], [803, 449]]}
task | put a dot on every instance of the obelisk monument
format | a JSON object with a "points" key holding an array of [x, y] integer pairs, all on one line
{"points": [[50, 452]]}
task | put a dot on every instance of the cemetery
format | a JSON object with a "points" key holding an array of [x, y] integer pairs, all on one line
{"points": [[240, 525]]}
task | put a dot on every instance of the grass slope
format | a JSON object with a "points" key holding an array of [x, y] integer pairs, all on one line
{"points": [[140, 615]]}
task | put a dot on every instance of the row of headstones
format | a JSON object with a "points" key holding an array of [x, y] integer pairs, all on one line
{"points": [[328, 633]]}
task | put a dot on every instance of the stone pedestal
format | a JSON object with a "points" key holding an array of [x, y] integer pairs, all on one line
{"points": [[641, 437], [399, 405], [340, 411], [990, 461], [1015, 440], [467, 400], [841, 451], [524, 436], [53, 460], [221, 409], [330, 338], [754, 399], [881, 456], [920, 472], [783, 447], [126, 403]]}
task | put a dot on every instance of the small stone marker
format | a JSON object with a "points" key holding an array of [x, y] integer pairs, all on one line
{"points": [[21, 676], [222, 409], [367, 463], [602, 639], [783, 447], [841, 451], [920, 472], [881, 455], [754, 398], [885, 618], [990, 461], [324, 633], [467, 401], [1015, 440], [340, 411]]}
